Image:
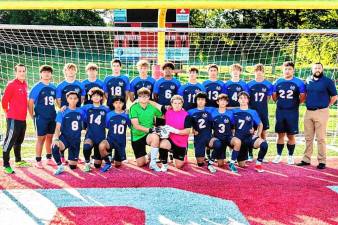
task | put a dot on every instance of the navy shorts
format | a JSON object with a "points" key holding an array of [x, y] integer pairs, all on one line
{"points": [[95, 140], [139, 147], [178, 152], [265, 120], [44, 126], [120, 150], [287, 121], [200, 143], [72, 146], [225, 143], [247, 143]]}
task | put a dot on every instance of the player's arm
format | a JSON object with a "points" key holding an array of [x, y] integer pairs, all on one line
{"points": [[127, 95], [259, 130], [6, 98], [137, 126], [302, 98], [131, 96], [274, 96], [333, 99], [56, 135], [155, 97], [31, 107], [156, 105], [58, 102]]}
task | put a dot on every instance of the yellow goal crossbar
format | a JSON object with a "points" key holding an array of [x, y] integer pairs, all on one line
{"points": [[167, 4]]}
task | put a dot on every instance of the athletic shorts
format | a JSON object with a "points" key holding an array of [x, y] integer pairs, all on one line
{"points": [[44, 126], [139, 147], [225, 143], [247, 143], [200, 143], [72, 146], [265, 120], [287, 121], [178, 152], [95, 140], [120, 150]]}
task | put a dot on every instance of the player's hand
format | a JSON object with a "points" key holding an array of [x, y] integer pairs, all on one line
{"points": [[63, 108], [254, 136], [252, 131], [167, 107], [154, 130], [195, 132], [56, 142], [171, 129]]}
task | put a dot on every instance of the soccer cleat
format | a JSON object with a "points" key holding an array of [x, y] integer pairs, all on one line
{"points": [[233, 168], [211, 168], [39, 165], [291, 160], [59, 170], [164, 167], [8, 170], [321, 166], [277, 159], [250, 158], [153, 166], [22, 163], [106, 167], [87, 167], [302, 163], [64, 161], [51, 162], [259, 168], [265, 161]]}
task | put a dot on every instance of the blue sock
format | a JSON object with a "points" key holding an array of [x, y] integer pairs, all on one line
{"points": [[280, 149], [234, 155], [217, 146], [56, 155], [291, 148], [263, 149], [87, 150]]}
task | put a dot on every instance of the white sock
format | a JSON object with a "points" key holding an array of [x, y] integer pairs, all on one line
{"points": [[258, 163], [153, 154]]}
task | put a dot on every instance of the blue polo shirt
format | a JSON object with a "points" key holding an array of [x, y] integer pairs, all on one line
{"points": [[319, 92]]}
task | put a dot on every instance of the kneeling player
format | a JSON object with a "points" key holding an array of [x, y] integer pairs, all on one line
{"points": [[245, 121], [68, 133], [223, 123], [95, 115], [201, 122], [116, 123]]}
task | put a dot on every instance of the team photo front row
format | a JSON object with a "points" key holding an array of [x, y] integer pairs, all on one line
{"points": [[232, 114]]}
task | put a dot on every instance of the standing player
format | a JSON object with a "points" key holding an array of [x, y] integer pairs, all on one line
{"points": [[116, 122], [91, 82], [41, 107], [143, 80], [14, 104], [116, 84], [223, 124], [245, 121], [213, 86], [288, 93], [68, 133], [201, 122], [69, 84], [260, 91], [143, 132], [234, 86], [95, 117], [189, 91], [167, 86]]}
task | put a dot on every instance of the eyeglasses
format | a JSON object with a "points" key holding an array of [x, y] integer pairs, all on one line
{"points": [[144, 96]]}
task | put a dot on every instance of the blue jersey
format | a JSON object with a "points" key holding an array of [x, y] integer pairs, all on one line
{"points": [[116, 86], [71, 123], [223, 124], [44, 98], [95, 118], [232, 89], [188, 92], [64, 87], [259, 93], [245, 120], [201, 121], [138, 83], [165, 89], [117, 124], [213, 89], [89, 85], [288, 92]]}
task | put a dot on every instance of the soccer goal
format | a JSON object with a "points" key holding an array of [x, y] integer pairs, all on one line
{"points": [[57, 45]]}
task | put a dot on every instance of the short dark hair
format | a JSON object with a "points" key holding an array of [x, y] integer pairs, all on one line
{"points": [[319, 63], [289, 63], [19, 65], [118, 99], [96, 90], [201, 95], [69, 93], [116, 61], [168, 64], [223, 96], [244, 93], [213, 66], [193, 69], [46, 68]]}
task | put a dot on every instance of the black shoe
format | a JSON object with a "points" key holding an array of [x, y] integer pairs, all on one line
{"points": [[321, 166], [302, 163]]}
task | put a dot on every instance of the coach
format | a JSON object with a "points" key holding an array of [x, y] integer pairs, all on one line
{"points": [[321, 93], [14, 104]]}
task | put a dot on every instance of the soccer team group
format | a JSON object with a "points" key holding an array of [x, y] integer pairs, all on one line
{"points": [[162, 114]]}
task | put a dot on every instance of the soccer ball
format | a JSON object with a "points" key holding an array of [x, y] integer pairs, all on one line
{"points": [[164, 133]]}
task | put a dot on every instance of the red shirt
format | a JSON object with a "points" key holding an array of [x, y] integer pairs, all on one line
{"points": [[14, 101]]}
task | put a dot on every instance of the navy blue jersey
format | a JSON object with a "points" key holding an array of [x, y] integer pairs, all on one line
{"points": [[71, 123], [89, 85], [213, 89], [201, 121], [259, 93], [117, 124], [188, 92], [232, 89], [245, 120], [222, 124], [116, 86], [95, 118], [64, 87], [288, 92], [44, 98], [165, 89], [138, 83]]}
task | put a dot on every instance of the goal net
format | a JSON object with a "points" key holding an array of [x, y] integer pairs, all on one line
{"points": [[57, 45]]}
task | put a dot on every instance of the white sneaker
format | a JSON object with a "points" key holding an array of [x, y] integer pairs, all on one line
{"points": [[164, 167], [250, 158], [291, 160], [211, 168], [265, 160], [277, 159], [153, 166]]}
